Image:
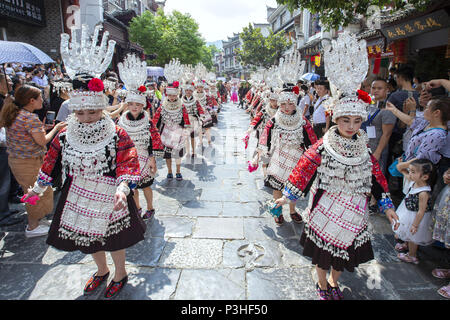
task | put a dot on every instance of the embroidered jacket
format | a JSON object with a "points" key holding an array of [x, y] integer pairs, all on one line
{"points": [[211, 101], [126, 160], [249, 96], [157, 119], [196, 111], [265, 141], [155, 147], [305, 172]]}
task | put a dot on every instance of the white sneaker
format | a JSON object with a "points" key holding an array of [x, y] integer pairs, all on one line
{"points": [[39, 231], [45, 222]]}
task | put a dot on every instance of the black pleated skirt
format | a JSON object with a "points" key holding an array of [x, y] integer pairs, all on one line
{"points": [[126, 238], [325, 260]]}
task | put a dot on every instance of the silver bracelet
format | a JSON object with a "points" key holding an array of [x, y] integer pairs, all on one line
{"points": [[123, 188], [38, 189]]}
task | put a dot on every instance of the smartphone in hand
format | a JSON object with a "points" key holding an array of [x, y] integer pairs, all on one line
{"points": [[50, 117]]}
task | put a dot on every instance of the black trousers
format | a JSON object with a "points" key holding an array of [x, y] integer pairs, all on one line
{"points": [[5, 181], [318, 129]]}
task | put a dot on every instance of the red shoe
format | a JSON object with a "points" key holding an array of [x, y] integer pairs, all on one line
{"points": [[94, 282], [323, 294], [335, 293], [115, 287], [296, 217], [279, 220]]}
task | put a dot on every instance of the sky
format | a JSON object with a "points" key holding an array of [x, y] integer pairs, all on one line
{"points": [[218, 19]]}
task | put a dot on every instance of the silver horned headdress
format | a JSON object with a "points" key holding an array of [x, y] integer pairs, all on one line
{"points": [[173, 71], [290, 70], [133, 73], [85, 58], [346, 67]]}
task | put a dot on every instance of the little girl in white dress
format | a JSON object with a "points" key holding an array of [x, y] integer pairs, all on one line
{"points": [[414, 212]]}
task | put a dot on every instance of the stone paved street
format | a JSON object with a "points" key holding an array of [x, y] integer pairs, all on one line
{"points": [[212, 238]]}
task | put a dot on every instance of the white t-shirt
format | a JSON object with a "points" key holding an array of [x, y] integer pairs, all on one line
{"points": [[319, 111], [63, 112], [304, 101]]}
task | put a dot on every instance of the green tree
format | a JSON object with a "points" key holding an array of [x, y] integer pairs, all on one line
{"points": [[260, 51], [169, 36], [208, 53], [336, 13]]}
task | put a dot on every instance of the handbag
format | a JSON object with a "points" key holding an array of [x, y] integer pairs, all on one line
{"points": [[393, 169]]}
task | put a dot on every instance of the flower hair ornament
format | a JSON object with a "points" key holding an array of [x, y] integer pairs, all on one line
{"points": [[346, 68], [85, 61], [133, 73]]}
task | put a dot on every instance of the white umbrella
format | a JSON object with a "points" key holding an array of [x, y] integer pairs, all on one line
{"points": [[21, 52]]}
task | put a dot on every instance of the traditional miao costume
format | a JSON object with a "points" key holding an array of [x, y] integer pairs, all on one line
{"points": [[259, 122], [215, 94], [212, 105], [254, 103], [249, 96], [283, 141], [194, 110], [141, 130], [207, 121], [340, 173], [94, 158], [171, 119]]}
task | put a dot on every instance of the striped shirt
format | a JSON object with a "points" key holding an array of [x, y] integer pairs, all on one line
{"points": [[19, 141]]}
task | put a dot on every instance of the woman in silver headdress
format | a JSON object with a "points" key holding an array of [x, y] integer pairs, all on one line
{"points": [[99, 166]]}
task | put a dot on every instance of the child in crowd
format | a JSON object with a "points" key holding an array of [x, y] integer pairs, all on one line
{"points": [[415, 211]]}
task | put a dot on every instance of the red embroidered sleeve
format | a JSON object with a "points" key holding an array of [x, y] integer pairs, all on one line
{"points": [[157, 146], [264, 138], [127, 163], [256, 120], [255, 102], [199, 108], [187, 123], [378, 174], [310, 131], [258, 109], [156, 117], [248, 96], [211, 101], [304, 170], [50, 159]]}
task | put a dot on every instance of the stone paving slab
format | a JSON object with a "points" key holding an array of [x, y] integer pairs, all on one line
{"points": [[150, 284], [192, 253], [242, 209], [220, 284], [280, 284], [201, 208], [251, 254], [219, 228], [171, 227]]}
